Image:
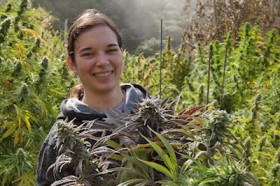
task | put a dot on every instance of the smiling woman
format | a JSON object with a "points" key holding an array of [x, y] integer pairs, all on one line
{"points": [[98, 63], [95, 56]]}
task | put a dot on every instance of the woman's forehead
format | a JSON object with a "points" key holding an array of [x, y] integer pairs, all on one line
{"points": [[101, 35]]}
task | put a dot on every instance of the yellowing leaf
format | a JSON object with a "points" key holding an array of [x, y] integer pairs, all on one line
{"points": [[27, 123], [31, 32], [8, 124], [9, 132], [17, 137]]}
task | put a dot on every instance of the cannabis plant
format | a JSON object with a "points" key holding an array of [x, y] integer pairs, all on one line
{"points": [[30, 63], [154, 145]]}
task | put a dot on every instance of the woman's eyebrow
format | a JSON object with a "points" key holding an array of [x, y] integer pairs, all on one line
{"points": [[85, 49], [112, 45]]}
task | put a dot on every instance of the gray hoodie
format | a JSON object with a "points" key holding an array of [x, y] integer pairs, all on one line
{"points": [[74, 109]]}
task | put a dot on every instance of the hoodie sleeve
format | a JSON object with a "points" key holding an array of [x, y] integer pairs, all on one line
{"points": [[47, 157]]}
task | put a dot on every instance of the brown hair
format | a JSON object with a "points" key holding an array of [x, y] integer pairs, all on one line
{"points": [[77, 91], [87, 20]]}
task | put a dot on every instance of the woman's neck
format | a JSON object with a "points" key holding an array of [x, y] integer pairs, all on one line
{"points": [[103, 101]]}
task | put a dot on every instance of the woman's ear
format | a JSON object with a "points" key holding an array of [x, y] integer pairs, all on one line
{"points": [[71, 64]]}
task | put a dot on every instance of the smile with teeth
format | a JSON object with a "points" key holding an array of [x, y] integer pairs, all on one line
{"points": [[103, 74]]}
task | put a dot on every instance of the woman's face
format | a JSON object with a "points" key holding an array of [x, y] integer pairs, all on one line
{"points": [[98, 60]]}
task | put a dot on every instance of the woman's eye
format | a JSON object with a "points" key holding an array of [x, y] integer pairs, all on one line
{"points": [[87, 54], [112, 50]]}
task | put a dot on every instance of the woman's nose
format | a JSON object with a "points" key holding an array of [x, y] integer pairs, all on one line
{"points": [[101, 59]]}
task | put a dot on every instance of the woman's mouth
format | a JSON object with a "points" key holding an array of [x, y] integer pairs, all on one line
{"points": [[103, 74]]}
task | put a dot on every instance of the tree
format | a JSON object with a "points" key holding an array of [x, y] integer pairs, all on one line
{"points": [[212, 19]]}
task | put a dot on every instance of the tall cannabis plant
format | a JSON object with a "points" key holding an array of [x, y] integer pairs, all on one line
{"points": [[30, 67]]}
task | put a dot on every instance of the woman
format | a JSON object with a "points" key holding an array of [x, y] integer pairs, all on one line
{"points": [[95, 56]]}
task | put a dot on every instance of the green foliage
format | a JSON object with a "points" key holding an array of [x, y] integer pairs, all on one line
{"points": [[238, 75], [175, 69], [244, 81], [147, 48], [30, 87]]}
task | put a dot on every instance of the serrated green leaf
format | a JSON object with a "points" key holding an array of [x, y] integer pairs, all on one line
{"points": [[164, 156], [170, 151], [158, 167]]}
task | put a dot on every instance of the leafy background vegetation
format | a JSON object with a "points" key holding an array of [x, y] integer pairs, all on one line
{"points": [[236, 70]]}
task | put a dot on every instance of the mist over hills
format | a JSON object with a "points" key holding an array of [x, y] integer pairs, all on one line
{"points": [[138, 20]]}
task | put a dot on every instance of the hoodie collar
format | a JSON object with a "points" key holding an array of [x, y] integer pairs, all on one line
{"points": [[73, 108]]}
